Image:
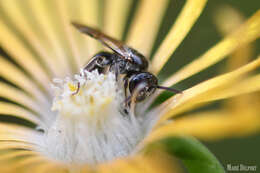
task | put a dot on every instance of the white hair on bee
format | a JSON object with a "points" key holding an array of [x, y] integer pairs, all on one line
{"points": [[90, 126]]}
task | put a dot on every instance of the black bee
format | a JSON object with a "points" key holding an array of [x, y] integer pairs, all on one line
{"points": [[124, 60]]}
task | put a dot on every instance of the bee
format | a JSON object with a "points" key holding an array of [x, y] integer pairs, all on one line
{"points": [[124, 60]]}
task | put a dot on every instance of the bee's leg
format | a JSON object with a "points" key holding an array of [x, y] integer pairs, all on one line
{"points": [[127, 104], [127, 98], [130, 101], [78, 87], [125, 85], [99, 62], [127, 101], [116, 71]]}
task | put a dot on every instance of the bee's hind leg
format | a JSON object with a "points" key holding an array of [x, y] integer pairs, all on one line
{"points": [[76, 92]]}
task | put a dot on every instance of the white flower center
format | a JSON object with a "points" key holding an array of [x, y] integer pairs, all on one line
{"points": [[90, 126]]}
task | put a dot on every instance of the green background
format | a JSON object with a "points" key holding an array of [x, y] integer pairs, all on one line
{"points": [[237, 150]]}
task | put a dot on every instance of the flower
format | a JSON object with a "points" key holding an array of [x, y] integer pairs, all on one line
{"points": [[89, 127]]}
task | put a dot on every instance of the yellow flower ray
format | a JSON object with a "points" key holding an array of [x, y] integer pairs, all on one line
{"points": [[230, 89], [249, 85], [115, 17], [84, 11], [17, 137], [5, 145], [188, 16], [192, 96], [137, 163], [63, 17], [71, 12], [22, 56], [126, 165], [17, 111], [160, 163], [227, 19], [20, 97], [237, 59], [13, 74], [141, 163], [19, 134], [13, 11], [248, 32], [146, 25], [27, 162], [51, 167], [47, 30], [17, 129], [14, 154], [48, 167], [210, 125], [88, 15]]}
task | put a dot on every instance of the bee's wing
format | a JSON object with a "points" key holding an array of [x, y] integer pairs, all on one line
{"points": [[109, 42]]}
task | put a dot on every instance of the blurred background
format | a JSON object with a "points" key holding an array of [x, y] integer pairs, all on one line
{"points": [[204, 34]]}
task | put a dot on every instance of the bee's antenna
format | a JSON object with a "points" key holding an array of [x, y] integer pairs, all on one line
{"points": [[168, 89]]}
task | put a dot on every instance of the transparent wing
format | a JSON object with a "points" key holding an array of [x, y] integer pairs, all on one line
{"points": [[116, 45]]}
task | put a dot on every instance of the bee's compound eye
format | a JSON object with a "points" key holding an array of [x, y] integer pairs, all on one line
{"points": [[145, 92], [143, 84], [141, 95]]}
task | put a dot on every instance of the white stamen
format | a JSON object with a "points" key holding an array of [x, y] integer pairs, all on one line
{"points": [[90, 126]]}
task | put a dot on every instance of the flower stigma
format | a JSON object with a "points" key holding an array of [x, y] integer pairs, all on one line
{"points": [[90, 125]]}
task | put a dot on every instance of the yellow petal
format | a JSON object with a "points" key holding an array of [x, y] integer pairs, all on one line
{"points": [[209, 126], [12, 132], [16, 129], [20, 97], [25, 164], [49, 166], [13, 45], [44, 24], [89, 14], [201, 92], [13, 137], [15, 153], [86, 12], [227, 19], [27, 161], [48, 14], [66, 28], [154, 162], [146, 25], [15, 15], [17, 111], [188, 16], [245, 34], [249, 85], [115, 17], [5, 145], [13, 74]]}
